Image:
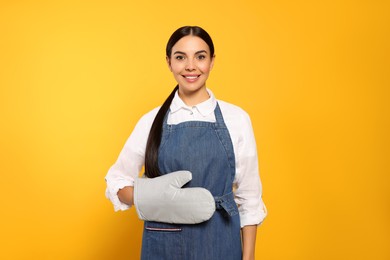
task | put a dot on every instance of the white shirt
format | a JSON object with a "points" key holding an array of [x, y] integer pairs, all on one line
{"points": [[248, 189]]}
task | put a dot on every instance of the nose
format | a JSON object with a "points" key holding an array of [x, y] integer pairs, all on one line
{"points": [[190, 66]]}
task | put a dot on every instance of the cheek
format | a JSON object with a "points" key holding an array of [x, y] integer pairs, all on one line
{"points": [[205, 68], [176, 68]]}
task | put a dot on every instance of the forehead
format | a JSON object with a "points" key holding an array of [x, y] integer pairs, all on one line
{"points": [[190, 44]]}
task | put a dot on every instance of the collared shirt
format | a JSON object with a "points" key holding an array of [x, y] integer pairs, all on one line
{"points": [[248, 189]]}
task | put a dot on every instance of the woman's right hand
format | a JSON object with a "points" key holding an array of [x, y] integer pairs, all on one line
{"points": [[126, 195]]}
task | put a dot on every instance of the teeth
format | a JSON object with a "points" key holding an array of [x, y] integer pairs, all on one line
{"points": [[191, 77]]}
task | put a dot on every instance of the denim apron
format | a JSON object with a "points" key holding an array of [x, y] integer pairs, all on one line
{"points": [[205, 149]]}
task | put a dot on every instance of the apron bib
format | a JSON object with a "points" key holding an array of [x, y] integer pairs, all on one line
{"points": [[206, 150]]}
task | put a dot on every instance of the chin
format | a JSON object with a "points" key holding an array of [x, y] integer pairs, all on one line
{"points": [[189, 88]]}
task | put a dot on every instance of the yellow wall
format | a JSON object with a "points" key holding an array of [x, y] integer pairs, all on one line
{"points": [[75, 76]]}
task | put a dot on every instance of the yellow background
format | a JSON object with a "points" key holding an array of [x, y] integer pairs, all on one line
{"points": [[75, 76]]}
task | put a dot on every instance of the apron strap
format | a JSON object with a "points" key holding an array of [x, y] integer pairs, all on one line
{"points": [[226, 202]]}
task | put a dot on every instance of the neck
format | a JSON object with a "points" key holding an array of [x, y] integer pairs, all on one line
{"points": [[193, 98]]}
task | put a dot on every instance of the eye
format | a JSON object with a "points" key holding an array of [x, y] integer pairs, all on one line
{"points": [[179, 57], [201, 57]]}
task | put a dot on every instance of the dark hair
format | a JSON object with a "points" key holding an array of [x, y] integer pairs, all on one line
{"points": [[154, 139]]}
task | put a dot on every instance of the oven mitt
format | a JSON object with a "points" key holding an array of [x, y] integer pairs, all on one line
{"points": [[162, 199]]}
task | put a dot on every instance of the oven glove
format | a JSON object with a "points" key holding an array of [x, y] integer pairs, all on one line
{"points": [[162, 199]]}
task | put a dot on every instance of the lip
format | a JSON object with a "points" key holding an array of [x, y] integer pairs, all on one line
{"points": [[191, 77]]}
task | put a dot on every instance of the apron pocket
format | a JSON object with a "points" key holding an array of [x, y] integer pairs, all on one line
{"points": [[162, 241]]}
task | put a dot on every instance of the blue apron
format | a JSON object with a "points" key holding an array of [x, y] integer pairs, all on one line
{"points": [[205, 149]]}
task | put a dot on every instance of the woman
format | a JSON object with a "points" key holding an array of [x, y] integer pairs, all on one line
{"points": [[210, 138]]}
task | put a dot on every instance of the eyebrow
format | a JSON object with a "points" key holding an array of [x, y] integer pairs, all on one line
{"points": [[180, 52]]}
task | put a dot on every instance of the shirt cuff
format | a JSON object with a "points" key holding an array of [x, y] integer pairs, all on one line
{"points": [[112, 194], [253, 218]]}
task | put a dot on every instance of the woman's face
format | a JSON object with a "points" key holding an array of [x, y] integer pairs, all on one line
{"points": [[190, 64]]}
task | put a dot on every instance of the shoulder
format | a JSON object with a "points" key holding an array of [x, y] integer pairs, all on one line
{"points": [[147, 119], [233, 112], [238, 123]]}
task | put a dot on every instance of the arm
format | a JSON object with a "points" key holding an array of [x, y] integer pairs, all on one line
{"points": [[248, 242], [120, 177], [248, 193]]}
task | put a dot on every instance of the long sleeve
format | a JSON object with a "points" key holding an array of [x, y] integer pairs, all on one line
{"points": [[130, 161], [248, 192]]}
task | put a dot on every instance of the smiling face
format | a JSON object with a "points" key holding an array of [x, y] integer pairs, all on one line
{"points": [[190, 64]]}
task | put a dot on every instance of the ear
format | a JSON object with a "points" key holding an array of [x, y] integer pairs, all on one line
{"points": [[169, 63], [212, 62]]}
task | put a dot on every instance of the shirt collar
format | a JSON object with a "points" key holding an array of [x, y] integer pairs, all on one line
{"points": [[205, 108]]}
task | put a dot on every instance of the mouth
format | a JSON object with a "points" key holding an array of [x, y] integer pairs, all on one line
{"points": [[191, 77]]}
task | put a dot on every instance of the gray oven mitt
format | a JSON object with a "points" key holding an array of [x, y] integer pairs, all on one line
{"points": [[162, 199]]}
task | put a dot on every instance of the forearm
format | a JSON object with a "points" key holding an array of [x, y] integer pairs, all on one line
{"points": [[125, 195], [249, 242]]}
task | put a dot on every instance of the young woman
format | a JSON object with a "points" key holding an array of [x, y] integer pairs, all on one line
{"points": [[214, 141]]}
